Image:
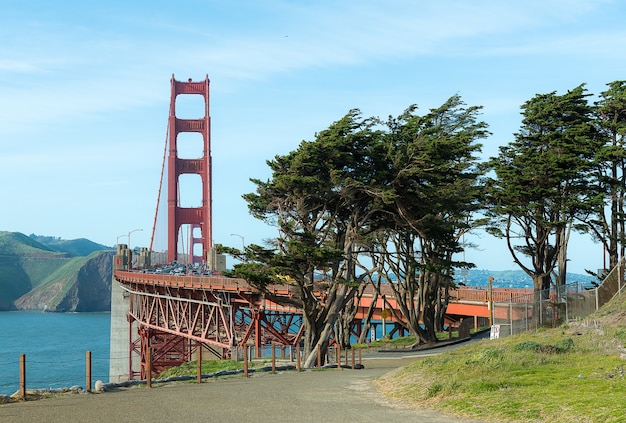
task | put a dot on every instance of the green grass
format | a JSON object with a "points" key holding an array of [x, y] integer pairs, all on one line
{"points": [[208, 367], [65, 276], [38, 270], [574, 373], [406, 341], [568, 374], [403, 342]]}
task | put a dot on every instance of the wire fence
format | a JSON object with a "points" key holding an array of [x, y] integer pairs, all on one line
{"points": [[552, 307], [36, 374], [31, 375]]}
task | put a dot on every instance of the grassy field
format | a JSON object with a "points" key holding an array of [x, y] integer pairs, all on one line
{"points": [[574, 373]]}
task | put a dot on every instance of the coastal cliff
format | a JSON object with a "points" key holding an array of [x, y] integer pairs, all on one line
{"points": [[50, 274], [83, 284]]}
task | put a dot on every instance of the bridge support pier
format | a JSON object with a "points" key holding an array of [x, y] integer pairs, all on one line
{"points": [[122, 330]]}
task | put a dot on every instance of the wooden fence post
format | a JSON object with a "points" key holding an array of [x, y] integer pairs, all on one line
{"points": [[88, 371], [23, 376], [338, 357], [245, 361], [149, 367], [298, 357], [199, 356]]}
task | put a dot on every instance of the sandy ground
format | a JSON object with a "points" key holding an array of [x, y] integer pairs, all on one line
{"points": [[310, 396]]}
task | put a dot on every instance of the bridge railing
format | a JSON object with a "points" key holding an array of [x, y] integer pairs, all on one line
{"points": [[217, 282], [483, 295], [551, 307], [467, 293], [182, 281]]}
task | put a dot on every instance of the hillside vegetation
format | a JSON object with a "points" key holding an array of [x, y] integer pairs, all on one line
{"points": [[15, 243], [574, 373], [74, 247], [35, 275]]}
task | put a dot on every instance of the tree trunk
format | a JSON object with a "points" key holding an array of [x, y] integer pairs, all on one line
{"points": [[343, 327], [541, 295], [441, 308], [318, 329], [368, 320]]}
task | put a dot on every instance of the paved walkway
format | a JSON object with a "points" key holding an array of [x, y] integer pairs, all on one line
{"points": [[309, 396]]}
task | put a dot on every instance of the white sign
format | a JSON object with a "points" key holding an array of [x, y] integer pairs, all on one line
{"points": [[495, 332]]}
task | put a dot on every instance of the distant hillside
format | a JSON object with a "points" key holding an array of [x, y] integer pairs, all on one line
{"points": [[34, 275], [15, 243], [510, 278], [82, 284], [74, 247], [507, 278]]}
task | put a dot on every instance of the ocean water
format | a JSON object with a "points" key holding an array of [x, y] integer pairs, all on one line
{"points": [[55, 346]]}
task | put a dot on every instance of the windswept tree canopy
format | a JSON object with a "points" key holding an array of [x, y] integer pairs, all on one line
{"points": [[360, 187], [429, 191], [608, 225], [317, 197], [541, 181]]}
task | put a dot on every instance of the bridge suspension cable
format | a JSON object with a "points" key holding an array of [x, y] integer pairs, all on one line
{"points": [[163, 173]]}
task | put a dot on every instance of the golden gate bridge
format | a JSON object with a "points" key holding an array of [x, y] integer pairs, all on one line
{"points": [[161, 320]]}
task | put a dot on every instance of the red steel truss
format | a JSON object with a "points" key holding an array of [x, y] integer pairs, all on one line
{"points": [[178, 314]]}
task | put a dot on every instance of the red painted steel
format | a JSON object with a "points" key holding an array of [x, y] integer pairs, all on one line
{"points": [[179, 313], [195, 216], [463, 301]]}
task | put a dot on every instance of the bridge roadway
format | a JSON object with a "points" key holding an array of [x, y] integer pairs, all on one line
{"points": [[464, 301], [224, 315]]}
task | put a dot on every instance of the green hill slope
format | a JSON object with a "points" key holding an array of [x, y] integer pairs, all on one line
{"points": [[15, 243], [36, 276], [74, 247], [24, 263], [81, 284], [573, 373]]}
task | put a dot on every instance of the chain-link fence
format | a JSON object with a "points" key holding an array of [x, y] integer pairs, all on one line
{"points": [[552, 307]]}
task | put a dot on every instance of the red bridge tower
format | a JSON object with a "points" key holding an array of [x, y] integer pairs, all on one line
{"points": [[196, 217]]}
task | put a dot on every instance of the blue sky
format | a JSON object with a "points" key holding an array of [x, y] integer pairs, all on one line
{"points": [[85, 90]]}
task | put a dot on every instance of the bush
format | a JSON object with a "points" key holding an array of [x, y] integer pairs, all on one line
{"points": [[527, 346], [561, 346], [434, 389], [564, 345]]}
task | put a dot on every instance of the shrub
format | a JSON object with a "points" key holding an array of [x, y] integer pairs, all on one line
{"points": [[527, 346], [434, 389], [564, 345]]}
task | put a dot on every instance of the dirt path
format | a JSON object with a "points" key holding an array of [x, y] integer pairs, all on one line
{"points": [[309, 396]]}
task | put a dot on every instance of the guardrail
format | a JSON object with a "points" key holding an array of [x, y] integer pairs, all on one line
{"points": [[222, 283]]}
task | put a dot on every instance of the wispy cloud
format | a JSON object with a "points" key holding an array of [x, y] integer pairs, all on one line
{"points": [[85, 85], [89, 70]]}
